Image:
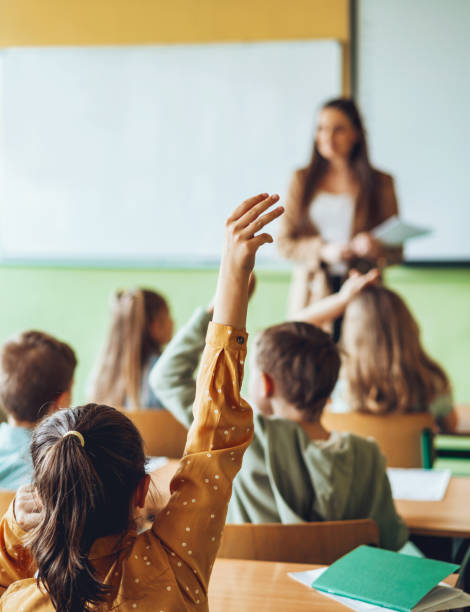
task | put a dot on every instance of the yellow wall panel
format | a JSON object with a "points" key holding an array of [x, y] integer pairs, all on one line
{"points": [[120, 22]]}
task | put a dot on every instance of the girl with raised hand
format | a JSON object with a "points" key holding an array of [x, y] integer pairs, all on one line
{"points": [[141, 325], [74, 527], [384, 365]]}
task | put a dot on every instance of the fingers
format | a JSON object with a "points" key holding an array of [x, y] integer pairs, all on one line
{"points": [[261, 239], [258, 224], [245, 206], [371, 276], [255, 211]]}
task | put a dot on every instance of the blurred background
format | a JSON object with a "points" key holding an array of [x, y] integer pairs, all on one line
{"points": [[130, 128]]}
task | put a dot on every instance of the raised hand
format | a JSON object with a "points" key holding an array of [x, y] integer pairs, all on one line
{"points": [[356, 283], [241, 242]]}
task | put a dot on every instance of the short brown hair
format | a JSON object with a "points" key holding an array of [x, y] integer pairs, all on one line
{"points": [[303, 361], [35, 369]]}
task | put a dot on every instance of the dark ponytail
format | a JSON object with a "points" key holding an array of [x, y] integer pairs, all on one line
{"points": [[86, 493]]}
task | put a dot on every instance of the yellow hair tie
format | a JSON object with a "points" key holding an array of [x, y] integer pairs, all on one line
{"points": [[75, 433]]}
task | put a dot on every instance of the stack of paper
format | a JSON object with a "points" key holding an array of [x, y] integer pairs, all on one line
{"points": [[418, 485], [394, 231], [371, 579]]}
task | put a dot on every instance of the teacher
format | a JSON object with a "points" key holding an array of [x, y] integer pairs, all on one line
{"points": [[332, 206]]}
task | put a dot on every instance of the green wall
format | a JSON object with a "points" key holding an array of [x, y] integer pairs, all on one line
{"points": [[72, 304]]}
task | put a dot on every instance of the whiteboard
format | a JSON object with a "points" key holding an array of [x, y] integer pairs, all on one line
{"points": [[414, 91], [139, 153]]}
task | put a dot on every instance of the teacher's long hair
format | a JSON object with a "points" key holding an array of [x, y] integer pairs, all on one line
{"points": [[358, 160]]}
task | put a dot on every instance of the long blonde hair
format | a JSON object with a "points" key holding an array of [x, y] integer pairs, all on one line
{"points": [[129, 345], [384, 364]]}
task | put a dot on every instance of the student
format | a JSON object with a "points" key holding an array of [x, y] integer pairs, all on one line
{"points": [[141, 325], [36, 376], [294, 470], [385, 368], [89, 470]]}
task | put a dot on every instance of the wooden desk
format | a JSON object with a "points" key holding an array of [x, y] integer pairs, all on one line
{"points": [[263, 586], [448, 518]]}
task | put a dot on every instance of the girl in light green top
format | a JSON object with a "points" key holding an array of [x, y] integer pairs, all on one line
{"points": [[294, 470], [384, 366]]}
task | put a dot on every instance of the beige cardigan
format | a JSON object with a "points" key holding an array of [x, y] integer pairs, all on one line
{"points": [[300, 240]]}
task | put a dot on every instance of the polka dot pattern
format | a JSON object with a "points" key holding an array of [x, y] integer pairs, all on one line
{"points": [[201, 490]]}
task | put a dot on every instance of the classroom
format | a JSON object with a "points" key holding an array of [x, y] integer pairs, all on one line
{"points": [[235, 328]]}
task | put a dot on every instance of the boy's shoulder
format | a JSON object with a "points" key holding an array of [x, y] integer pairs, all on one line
{"points": [[14, 436], [16, 466], [338, 442]]}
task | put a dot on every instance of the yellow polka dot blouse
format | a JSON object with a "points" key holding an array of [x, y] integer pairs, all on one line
{"points": [[167, 568]]}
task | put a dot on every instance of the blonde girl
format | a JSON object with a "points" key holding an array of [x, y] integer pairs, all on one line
{"points": [[384, 365], [141, 325]]}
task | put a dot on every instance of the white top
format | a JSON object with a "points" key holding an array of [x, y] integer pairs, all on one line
{"points": [[332, 215]]}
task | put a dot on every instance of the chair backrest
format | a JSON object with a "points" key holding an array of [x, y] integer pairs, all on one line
{"points": [[404, 439], [463, 415], [5, 500], [322, 542], [163, 435]]}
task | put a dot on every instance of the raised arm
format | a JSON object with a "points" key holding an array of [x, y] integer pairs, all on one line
{"points": [[191, 524], [330, 308], [172, 377]]}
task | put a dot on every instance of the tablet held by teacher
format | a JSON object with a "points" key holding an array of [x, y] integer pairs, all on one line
{"points": [[332, 207]]}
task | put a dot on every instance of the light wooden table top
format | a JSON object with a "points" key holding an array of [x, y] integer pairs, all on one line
{"points": [[449, 517], [263, 586]]}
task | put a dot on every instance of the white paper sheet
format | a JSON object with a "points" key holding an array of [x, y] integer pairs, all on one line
{"points": [[418, 485], [441, 597], [394, 231]]}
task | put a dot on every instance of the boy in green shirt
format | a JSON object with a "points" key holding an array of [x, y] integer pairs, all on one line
{"points": [[294, 470]]}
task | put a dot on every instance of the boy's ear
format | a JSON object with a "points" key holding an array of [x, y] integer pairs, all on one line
{"points": [[63, 401], [141, 491], [267, 385]]}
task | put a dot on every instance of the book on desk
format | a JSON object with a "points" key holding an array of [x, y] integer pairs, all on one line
{"points": [[387, 580]]}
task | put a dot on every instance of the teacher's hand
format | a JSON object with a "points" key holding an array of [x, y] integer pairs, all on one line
{"points": [[334, 252], [365, 245]]}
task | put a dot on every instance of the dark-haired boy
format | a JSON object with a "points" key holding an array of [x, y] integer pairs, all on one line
{"points": [[294, 470], [36, 376]]}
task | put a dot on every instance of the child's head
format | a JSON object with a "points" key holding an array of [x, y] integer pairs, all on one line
{"points": [[86, 492], [385, 366], [295, 366], [36, 376], [141, 324], [141, 317]]}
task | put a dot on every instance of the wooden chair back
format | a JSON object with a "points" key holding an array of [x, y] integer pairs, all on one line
{"points": [[404, 439], [5, 500], [463, 415], [163, 435], [322, 542]]}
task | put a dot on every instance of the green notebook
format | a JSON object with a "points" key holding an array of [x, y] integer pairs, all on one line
{"points": [[383, 578]]}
